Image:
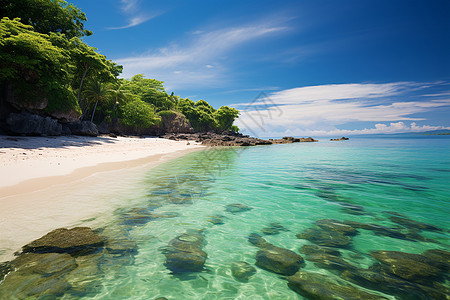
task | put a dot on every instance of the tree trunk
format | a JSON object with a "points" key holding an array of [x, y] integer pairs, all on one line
{"points": [[95, 107], [86, 69]]}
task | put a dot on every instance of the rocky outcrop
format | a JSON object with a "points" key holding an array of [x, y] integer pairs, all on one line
{"points": [[73, 241], [30, 124], [175, 122], [184, 253], [273, 228], [341, 139], [275, 259], [232, 139], [290, 140], [83, 128], [319, 286]]}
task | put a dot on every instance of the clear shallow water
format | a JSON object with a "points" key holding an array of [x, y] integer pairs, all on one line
{"points": [[293, 185]]}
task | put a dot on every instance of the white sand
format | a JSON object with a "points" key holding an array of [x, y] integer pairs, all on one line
{"points": [[52, 182], [24, 158]]}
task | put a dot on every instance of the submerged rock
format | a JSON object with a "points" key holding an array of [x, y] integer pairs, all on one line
{"points": [[441, 256], [237, 208], [412, 267], [385, 283], [273, 228], [242, 270], [78, 240], [38, 275], [325, 238], [275, 259], [319, 286], [314, 249], [414, 225], [5, 268], [336, 226], [184, 253], [216, 220], [380, 230]]}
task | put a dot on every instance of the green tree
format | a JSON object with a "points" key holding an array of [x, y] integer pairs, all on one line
{"points": [[86, 59], [225, 117], [97, 92], [35, 65], [139, 114], [47, 16], [119, 96]]}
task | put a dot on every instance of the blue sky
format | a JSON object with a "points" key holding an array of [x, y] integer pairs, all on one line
{"points": [[321, 67]]}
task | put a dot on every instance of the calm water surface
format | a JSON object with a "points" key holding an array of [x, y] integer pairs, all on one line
{"points": [[293, 185]]}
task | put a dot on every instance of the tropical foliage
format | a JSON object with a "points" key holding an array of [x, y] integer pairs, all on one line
{"points": [[43, 55]]}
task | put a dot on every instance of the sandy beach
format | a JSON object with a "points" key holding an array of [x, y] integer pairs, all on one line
{"points": [[51, 182]]}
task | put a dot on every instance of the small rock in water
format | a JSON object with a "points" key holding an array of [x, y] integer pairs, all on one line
{"points": [[275, 259], [319, 286], [336, 226], [314, 249], [380, 230], [184, 253], [325, 238], [273, 228], [216, 220], [242, 270], [237, 208]]}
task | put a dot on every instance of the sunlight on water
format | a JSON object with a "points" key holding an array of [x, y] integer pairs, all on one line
{"points": [[282, 191]]}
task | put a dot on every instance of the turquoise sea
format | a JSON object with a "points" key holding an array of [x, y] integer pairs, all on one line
{"points": [[365, 179]]}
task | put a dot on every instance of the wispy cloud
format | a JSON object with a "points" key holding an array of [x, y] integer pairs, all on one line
{"points": [[322, 108], [132, 9], [200, 60]]}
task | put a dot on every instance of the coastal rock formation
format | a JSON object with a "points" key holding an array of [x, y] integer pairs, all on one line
{"points": [[242, 270], [275, 259], [174, 122], [30, 124], [319, 286], [231, 139], [341, 139], [326, 258], [83, 128], [184, 253], [75, 241]]}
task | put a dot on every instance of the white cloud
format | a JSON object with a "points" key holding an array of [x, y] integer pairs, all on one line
{"points": [[135, 16], [319, 109], [199, 59]]}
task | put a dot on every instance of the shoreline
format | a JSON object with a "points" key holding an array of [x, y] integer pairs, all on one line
{"points": [[35, 206]]}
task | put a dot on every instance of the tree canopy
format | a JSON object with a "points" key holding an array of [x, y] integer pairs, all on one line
{"points": [[43, 56]]}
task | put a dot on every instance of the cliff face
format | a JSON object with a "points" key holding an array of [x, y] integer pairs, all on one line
{"points": [[29, 112]]}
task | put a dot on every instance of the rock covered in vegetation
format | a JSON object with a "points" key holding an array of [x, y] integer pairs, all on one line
{"points": [[231, 139], [319, 286], [242, 270], [175, 122], [275, 259], [184, 253], [74, 241]]}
